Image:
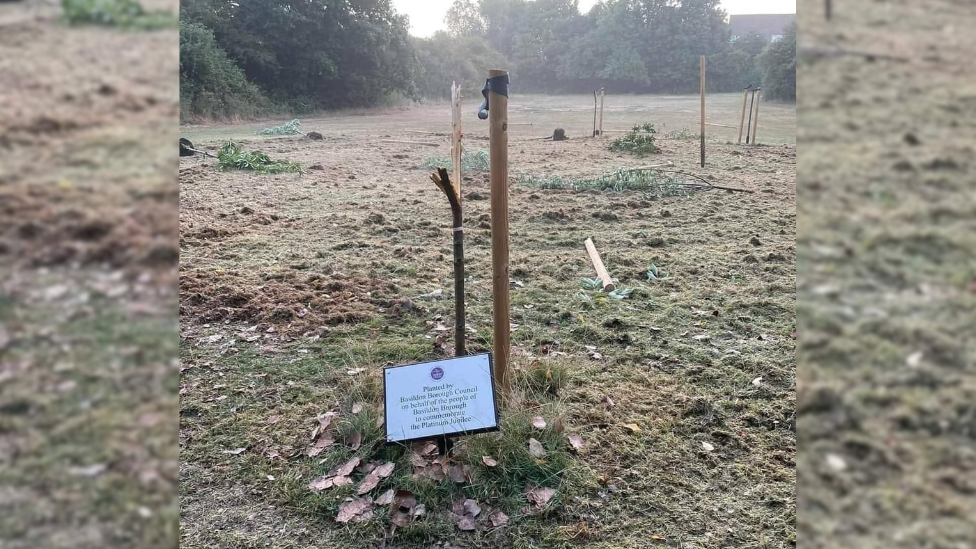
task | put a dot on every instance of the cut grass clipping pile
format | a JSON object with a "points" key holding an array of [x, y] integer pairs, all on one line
{"points": [[477, 161], [232, 157], [126, 14], [640, 141], [288, 128], [652, 183]]}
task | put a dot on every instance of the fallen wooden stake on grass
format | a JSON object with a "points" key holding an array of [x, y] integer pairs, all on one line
{"points": [[198, 151], [601, 270], [410, 142], [443, 182], [719, 125], [667, 164], [439, 134]]}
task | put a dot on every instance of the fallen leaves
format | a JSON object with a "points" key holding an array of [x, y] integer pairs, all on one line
{"points": [[757, 382], [609, 402], [707, 447], [336, 477], [386, 498], [373, 478], [536, 450], [633, 427], [575, 442], [489, 462], [235, 451], [466, 524], [538, 422], [471, 507], [539, 497], [498, 519], [355, 510]]}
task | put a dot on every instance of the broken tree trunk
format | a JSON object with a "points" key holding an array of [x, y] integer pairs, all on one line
{"points": [[443, 182], [601, 270]]}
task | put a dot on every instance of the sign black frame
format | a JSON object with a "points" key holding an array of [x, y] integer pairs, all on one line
{"points": [[494, 404]]}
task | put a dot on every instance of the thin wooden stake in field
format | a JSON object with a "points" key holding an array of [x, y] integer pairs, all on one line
{"points": [[498, 151], [601, 270], [703, 111], [595, 133], [742, 120], [755, 123], [828, 9], [749, 122], [456, 138], [603, 94], [443, 182]]}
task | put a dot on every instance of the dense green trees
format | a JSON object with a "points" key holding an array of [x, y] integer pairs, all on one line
{"points": [[778, 63], [322, 54]]}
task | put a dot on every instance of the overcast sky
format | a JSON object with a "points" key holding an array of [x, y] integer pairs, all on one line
{"points": [[427, 16]]}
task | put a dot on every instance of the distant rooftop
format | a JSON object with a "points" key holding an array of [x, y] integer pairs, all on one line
{"points": [[766, 25]]}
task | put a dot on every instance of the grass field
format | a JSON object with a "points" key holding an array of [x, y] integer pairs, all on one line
{"points": [[88, 262], [296, 290], [887, 256]]}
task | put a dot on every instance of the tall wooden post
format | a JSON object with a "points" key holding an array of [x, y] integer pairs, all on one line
{"points": [[603, 94], [456, 149], [742, 120], [594, 114], [749, 123], [498, 148], [755, 123], [703, 111]]}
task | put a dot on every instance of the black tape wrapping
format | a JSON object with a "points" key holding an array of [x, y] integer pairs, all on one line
{"points": [[499, 85]]}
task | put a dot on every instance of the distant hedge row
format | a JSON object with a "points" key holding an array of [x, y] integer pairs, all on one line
{"points": [[251, 57]]}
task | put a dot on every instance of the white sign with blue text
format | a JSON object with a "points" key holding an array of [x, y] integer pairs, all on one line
{"points": [[444, 397]]}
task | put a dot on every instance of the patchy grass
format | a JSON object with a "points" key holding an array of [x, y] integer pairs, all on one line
{"points": [[886, 247], [126, 14], [644, 381]]}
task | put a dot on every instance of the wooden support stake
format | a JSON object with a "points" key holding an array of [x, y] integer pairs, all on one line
{"points": [[749, 122], [498, 169], [603, 94], [742, 120], [456, 147], [755, 123], [594, 114], [443, 182], [601, 270], [703, 111], [828, 9]]}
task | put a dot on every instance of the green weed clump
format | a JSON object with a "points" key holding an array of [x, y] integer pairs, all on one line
{"points": [[288, 128], [640, 141], [232, 156], [477, 161], [127, 14], [654, 184]]}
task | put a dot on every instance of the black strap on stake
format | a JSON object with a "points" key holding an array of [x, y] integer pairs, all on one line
{"points": [[499, 85]]}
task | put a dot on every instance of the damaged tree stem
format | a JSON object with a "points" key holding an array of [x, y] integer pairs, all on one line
{"points": [[443, 182]]}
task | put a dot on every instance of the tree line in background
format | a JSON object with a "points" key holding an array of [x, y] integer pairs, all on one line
{"points": [[245, 58]]}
